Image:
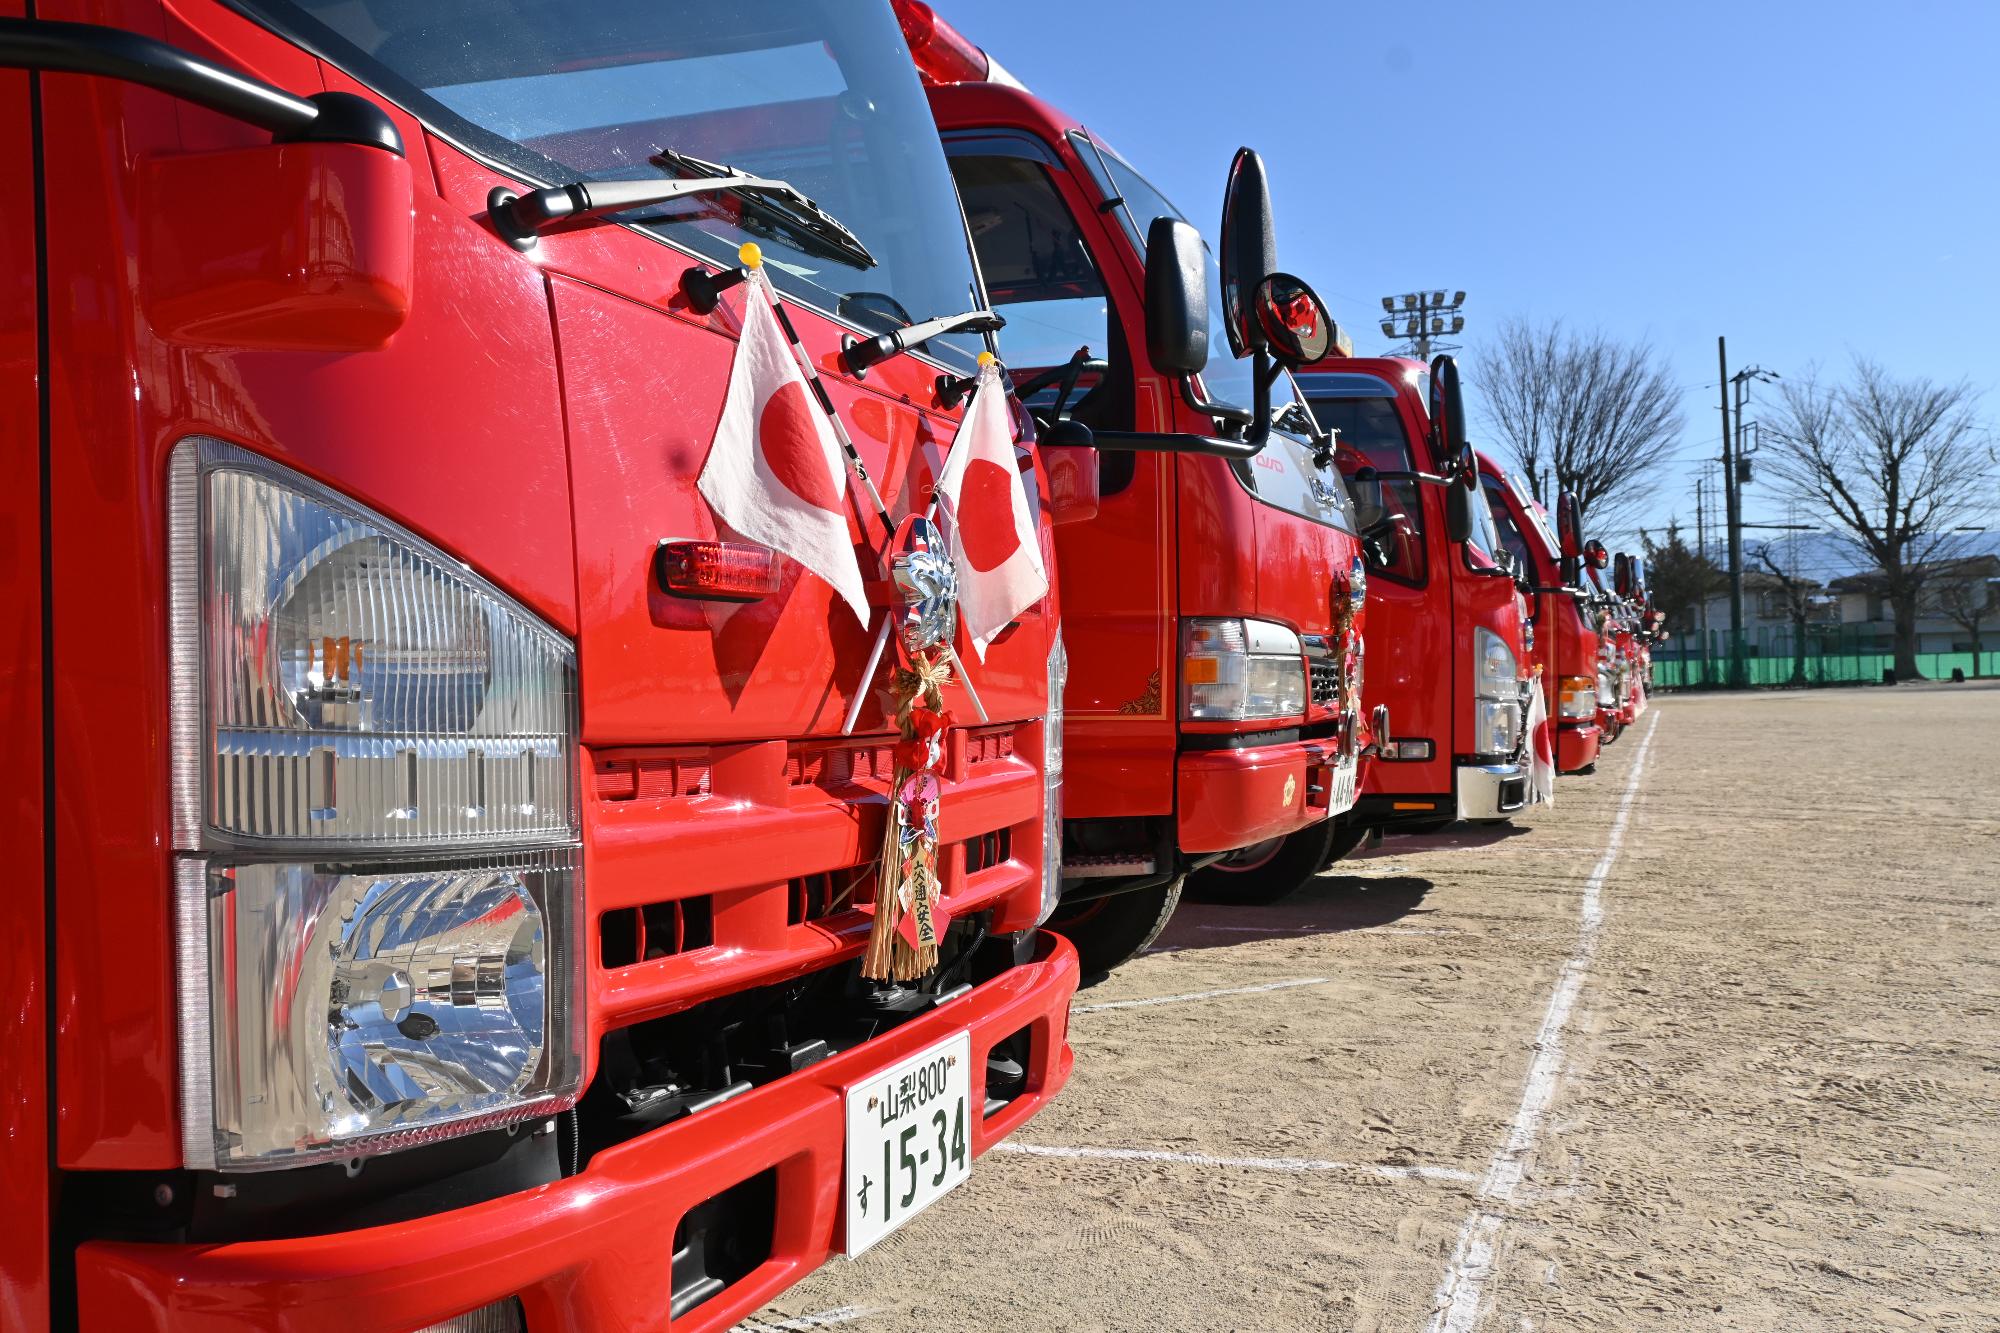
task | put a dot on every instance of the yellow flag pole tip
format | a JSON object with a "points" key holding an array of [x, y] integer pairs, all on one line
{"points": [[985, 359], [750, 254]]}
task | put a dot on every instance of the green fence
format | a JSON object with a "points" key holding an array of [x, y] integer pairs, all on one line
{"points": [[1834, 655]]}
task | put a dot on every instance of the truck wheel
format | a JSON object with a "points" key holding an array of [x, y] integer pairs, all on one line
{"points": [[1266, 872], [1344, 844], [1110, 931]]}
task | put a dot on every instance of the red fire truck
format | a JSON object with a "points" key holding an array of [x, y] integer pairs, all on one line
{"points": [[441, 852], [1211, 602], [1565, 637], [1441, 588]]}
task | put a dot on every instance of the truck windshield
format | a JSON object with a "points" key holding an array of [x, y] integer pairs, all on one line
{"points": [[820, 93], [1227, 379]]}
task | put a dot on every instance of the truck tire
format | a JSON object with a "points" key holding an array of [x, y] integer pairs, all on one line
{"points": [[1266, 873], [1345, 842], [1110, 931]]}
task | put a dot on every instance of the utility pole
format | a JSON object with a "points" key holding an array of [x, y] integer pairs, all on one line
{"points": [[1420, 317], [1701, 563], [1736, 467], [1732, 518]]}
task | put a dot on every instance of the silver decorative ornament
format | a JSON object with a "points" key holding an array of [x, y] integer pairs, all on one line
{"points": [[928, 584]]}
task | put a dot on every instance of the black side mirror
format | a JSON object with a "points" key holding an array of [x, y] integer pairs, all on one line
{"points": [[1569, 525], [1458, 512], [1293, 320], [1068, 433], [1447, 407], [1463, 467], [1249, 249], [1176, 298], [1621, 575]]}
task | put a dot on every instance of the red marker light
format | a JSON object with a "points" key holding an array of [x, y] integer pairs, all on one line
{"points": [[717, 571], [941, 54]]}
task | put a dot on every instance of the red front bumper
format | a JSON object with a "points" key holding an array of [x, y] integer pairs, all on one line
{"points": [[1225, 799], [592, 1252], [1577, 744]]}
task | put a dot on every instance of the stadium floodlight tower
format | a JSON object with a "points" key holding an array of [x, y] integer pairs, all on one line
{"points": [[1420, 320]]}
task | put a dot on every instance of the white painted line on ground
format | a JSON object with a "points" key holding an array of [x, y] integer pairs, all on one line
{"points": [[1293, 1164], [1455, 1306], [1197, 995], [845, 1314]]}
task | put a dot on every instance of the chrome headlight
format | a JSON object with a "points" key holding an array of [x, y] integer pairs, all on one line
{"points": [[1498, 726], [1241, 670], [1052, 781], [1494, 666], [375, 758]]}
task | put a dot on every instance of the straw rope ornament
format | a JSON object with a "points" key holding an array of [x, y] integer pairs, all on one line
{"points": [[910, 916]]}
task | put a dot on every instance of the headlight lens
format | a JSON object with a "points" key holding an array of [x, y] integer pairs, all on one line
{"points": [[357, 1010], [1241, 670], [1494, 666], [1499, 726], [1052, 781], [399, 741], [356, 685]]}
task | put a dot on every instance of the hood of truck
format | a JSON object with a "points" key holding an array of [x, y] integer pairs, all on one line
{"points": [[644, 388]]}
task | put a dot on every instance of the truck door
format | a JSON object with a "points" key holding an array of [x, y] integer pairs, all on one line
{"points": [[1040, 240], [24, 1112], [1409, 626]]}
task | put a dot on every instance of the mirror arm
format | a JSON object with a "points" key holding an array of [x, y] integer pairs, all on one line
{"points": [[1142, 442], [1235, 416], [1375, 474]]}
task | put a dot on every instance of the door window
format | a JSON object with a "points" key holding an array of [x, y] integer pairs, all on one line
{"points": [[1370, 432]]}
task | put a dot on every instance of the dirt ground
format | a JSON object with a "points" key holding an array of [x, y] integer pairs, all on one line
{"points": [[1771, 1099]]}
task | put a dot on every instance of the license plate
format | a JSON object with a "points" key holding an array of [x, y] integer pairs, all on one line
{"points": [[909, 1139], [1344, 780]]}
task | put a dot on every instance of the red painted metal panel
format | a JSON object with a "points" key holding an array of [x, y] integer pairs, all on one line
{"points": [[24, 1108]]}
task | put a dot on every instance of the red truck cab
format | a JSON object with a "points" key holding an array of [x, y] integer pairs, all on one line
{"points": [[1207, 599], [1565, 650], [444, 857], [1441, 590]]}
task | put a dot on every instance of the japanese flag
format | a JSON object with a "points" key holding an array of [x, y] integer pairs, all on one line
{"points": [[774, 471], [1541, 748], [993, 538]]}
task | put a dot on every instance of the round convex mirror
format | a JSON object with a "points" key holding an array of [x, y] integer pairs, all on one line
{"points": [[1294, 320]]}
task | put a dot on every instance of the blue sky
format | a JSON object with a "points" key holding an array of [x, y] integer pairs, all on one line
{"points": [[1812, 180]]}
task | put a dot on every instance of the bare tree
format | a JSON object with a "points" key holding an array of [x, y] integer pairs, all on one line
{"points": [[1897, 463], [1797, 593], [1582, 411], [1966, 597]]}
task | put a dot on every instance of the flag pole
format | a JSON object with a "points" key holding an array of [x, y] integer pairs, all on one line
{"points": [[753, 259]]}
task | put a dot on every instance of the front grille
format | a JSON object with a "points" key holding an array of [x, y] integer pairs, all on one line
{"points": [[988, 745], [658, 776], [839, 765], [632, 935], [828, 894], [988, 849]]}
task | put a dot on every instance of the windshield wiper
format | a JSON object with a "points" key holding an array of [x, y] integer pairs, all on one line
{"points": [[866, 352], [520, 218]]}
